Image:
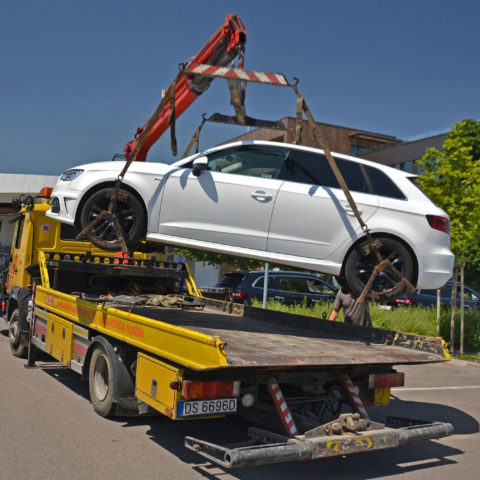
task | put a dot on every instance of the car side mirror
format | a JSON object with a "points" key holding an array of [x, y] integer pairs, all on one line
{"points": [[199, 164]]}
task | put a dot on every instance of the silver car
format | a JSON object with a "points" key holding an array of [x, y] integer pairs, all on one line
{"points": [[272, 202]]}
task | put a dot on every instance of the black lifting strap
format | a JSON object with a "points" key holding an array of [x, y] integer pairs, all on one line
{"points": [[299, 121], [196, 138], [171, 122]]}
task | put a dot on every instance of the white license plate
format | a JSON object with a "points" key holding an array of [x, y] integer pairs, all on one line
{"points": [[218, 406]]}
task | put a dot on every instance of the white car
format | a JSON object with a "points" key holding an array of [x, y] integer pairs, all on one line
{"points": [[272, 202]]}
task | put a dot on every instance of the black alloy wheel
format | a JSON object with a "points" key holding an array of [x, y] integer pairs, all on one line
{"points": [[129, 214], [359, 266]]}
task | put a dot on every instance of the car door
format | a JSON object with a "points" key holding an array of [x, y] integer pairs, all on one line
{"points": [[312, 217], [231, 203]]}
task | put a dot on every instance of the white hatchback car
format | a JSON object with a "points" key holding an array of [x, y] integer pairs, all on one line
{"points": [[272, 202]]}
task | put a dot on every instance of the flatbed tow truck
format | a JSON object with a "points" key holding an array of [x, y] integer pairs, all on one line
{"points": [[122, 322]]}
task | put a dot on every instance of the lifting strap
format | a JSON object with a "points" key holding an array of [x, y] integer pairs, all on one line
{"points": [[373, 246], [195, 139], [171, 122]]}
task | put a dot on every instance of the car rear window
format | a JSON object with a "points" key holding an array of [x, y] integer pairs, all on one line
{"points": [[231, 280]]}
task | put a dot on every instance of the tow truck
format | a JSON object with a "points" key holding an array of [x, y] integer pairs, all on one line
{"points": [[123, 322]]}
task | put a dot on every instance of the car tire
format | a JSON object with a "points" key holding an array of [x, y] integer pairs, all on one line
{"points": [[130, 215], [100, 383], [359, 266], [14, 336]]}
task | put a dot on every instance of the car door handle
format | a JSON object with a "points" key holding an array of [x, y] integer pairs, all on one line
{"points": [[259, 195], [349, 211]]}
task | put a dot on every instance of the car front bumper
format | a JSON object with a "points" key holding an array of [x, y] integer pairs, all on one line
{"points": [[64, 203]]}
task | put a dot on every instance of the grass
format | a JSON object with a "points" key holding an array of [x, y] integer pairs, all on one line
{"points": [[417, 320]]}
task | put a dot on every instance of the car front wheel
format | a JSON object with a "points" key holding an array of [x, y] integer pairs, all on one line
{"points": [[359, 266], [128, 211]]}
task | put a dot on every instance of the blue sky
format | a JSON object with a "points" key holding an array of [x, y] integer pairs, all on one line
{"points": [[78, 77]]}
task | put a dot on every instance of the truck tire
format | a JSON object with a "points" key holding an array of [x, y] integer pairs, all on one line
{"points": [[100, 382], [18, 349], [359, 267], [130, 215]]}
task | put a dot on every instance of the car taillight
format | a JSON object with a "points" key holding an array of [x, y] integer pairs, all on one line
{"points": [[439, 223], [386, 380], [404, 301], [238, 295], [191, 390]]}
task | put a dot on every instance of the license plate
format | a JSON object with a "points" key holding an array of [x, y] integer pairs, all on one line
{"points": [[218, 406]]}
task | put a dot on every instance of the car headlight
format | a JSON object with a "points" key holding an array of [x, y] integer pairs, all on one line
{"points": [[69, 175]]}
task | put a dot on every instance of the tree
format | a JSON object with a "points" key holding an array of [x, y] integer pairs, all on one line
{"points": [[451, 178]]}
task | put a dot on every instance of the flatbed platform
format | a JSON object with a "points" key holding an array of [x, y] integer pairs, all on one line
{"points": [[258, 338]]}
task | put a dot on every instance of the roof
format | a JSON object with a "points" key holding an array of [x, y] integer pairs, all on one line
{"points": [[12, 185]]}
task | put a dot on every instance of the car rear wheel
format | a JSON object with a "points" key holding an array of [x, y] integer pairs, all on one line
{"points": [[128, 211], [100, 383], [359, 266]]}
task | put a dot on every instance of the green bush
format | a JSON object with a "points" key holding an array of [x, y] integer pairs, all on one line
{"points": [[417, 320], [472, 329]]}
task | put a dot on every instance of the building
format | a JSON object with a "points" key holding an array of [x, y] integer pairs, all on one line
{"points": [[350, 141], [377, 147], [13, 186]]}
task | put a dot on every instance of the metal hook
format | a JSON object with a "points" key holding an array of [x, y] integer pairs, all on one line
{"points": [[295, 83]]}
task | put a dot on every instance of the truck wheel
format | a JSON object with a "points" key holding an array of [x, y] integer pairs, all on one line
{"points": [[359, 267], [128, 211], [18, 350], [100, 382]]}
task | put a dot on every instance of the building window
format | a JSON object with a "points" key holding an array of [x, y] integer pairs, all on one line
{"points": [[358, 150]]}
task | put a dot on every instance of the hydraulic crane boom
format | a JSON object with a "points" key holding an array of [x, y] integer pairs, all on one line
{"points": [[220, 50]]}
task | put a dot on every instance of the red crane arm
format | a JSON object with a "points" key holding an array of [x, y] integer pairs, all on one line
{"points": [[220, 50]]}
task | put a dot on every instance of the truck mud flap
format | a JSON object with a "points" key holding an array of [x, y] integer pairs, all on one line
{"points": [[303, 447]]}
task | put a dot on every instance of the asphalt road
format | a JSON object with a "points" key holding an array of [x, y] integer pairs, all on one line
{"points": [[49, 430]]}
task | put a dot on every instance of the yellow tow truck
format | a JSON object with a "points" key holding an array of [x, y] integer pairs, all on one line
{"points": [[135, 327]]}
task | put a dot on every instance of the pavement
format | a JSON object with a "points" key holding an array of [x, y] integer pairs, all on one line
{"points": [[49, 430]]}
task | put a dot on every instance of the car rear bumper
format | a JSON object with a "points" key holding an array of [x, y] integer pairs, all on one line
{"points": [[436, 268]]}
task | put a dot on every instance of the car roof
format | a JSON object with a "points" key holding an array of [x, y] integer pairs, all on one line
{"points": [[363, 161]]}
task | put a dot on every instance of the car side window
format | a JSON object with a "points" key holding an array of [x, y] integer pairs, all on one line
{"points": [[251, 160], [292, 284], [316, 286], [428, 292], [468, 295], [446, 291], [382, 185], [313, 168]]}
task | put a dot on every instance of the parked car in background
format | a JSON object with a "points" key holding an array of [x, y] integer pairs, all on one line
{"points": [[288, 287], [428, 298], [272, 202]]}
